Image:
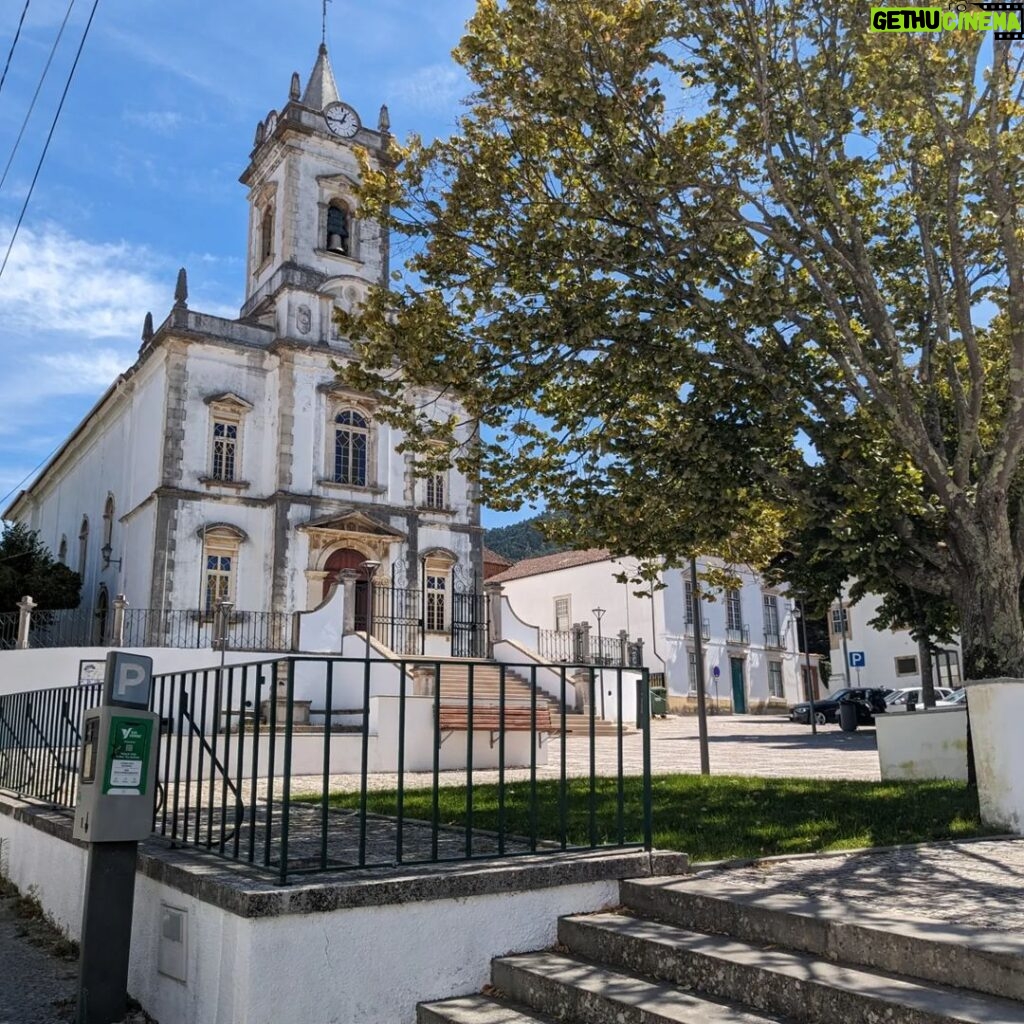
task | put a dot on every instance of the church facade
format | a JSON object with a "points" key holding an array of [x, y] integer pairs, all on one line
{"points": [[228, 463]]}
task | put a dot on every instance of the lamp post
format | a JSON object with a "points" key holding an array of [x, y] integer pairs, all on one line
{"points": [[369, 567], [798, 611], [698, 653], [599, 614]]}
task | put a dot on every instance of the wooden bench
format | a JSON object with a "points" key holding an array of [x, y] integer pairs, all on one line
{"points": [[490, 717]]}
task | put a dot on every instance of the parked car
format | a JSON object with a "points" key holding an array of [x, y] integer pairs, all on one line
{"points": [[957, 699], [827, 709], [899, 698]]}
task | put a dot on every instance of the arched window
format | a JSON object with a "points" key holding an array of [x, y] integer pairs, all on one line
{"points": [[108, 522], [83, 545], [267, 235], [351, 443], [62, 551], [338, 229]]}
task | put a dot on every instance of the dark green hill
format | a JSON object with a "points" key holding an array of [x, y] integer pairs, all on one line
{"points": [[521, 540]]}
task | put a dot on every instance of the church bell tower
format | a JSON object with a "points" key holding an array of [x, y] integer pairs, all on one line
{"points": [[309, 249]]}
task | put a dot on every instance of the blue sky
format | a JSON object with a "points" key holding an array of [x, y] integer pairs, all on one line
{"points": [[142, 174]]}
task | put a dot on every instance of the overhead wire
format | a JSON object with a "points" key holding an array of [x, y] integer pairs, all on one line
{"points": [[35, 97], [49, 137], [14, 43]]}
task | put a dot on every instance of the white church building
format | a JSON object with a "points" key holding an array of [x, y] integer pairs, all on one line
{"points": [[228, 463]]}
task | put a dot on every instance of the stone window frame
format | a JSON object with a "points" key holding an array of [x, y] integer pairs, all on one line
{"points": [[264, 203], [220, 541], [775, 663], [83, 547], [566, 617], [231, 410], [438, 564], [337, 190], [904, 672], [339, 400]]}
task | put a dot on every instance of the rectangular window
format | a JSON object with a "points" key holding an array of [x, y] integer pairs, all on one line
{"points": [[840, 622], [218, 579], [907, 666], [733, 610], [688, 602], [772, 635], [563, 617], [225, 449], [436, 487], [437, 587], [947, 666], [775, 679], [691, 664]]}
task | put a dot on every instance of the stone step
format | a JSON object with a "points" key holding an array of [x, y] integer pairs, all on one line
{"points": [[797, 985], [586, 993], [475, 1010], [976, 958]]}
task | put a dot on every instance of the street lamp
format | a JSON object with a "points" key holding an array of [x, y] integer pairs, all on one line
{"points": [[599, 614], [369, 567], [798, 613]]}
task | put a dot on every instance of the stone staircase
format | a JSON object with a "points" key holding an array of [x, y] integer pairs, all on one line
{"points": [[487, 689], [694, 951]]}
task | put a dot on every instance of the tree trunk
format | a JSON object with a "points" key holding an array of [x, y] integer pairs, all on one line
{"points": [[924, 657], [988, 599]]}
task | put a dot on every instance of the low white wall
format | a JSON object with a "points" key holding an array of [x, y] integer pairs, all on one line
{"points": [[370, 964], [513, 628], [923, 744], [997, 710], [46, 668]]}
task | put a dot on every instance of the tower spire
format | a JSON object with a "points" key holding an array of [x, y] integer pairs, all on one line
{"points": [[323, 36]]}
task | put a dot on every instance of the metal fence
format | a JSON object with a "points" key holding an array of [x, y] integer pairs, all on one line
{"points": [[8, 630], [39, 741], [243, 778], [68, 627], [245, 631], [580, 646]]}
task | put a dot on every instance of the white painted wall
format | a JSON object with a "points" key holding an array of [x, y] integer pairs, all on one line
{"points": [[923, 744], [997, 710], [532, 601], [366, 964], [881, 648]]}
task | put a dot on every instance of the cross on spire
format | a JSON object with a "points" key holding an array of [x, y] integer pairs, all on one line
{"points": [[323, 36]]}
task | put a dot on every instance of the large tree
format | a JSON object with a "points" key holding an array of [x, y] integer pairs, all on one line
{"points": [[27, 568], [682, 257]]}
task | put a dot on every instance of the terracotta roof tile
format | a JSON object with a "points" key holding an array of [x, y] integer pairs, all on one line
{"points": [[493, 558], [551, 563]]}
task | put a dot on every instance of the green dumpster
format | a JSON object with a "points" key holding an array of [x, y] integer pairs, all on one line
{"points": [[659, 701]]}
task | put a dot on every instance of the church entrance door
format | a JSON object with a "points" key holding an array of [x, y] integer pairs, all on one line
{"points": [[349, 558]]}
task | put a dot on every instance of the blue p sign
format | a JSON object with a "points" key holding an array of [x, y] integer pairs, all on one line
{"points": [[129, 679], [857, 659]]}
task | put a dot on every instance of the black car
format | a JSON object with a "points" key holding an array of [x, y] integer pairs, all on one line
{"points": [[871, 701]]}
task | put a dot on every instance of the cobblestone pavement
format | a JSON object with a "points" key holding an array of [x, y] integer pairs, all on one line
{"points": [[739, 745], [978, 883]]}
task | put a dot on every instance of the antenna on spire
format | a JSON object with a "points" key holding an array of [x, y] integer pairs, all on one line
{"points": [[323, 36]]}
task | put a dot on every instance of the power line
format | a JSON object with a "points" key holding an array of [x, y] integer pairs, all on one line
{"points": [[39, 88], [14, 43], [49, 137]]}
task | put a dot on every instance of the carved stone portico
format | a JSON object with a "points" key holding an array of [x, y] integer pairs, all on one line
{"points": [[352, 530]]}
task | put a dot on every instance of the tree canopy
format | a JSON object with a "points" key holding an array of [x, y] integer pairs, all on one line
{"points": [[712, 273], [28, 568]]}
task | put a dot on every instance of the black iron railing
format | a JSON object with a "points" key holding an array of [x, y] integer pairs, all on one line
{"points": [[67, 627], [584, 648], [39, 741], [737, 635], [247, 780], [245, 631], [244, 777], [8, 630], [774, 640], [705, 629]]}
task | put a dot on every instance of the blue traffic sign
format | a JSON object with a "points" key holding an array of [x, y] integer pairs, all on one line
{"points": [[857, 659]]}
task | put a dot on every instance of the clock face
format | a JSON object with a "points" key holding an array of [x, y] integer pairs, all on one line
{"points": [[342, 120]]}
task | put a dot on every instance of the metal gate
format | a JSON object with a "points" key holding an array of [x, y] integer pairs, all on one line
{"points": [[398, 618], [469, 626]]}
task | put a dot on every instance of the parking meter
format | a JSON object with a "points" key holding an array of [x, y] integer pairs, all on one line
{"points": [[117, 770]]}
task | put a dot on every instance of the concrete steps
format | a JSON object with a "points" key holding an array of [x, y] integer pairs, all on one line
{"points": [[702, 951]]}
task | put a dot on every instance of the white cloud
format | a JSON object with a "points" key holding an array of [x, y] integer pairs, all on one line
{"points": [[434, 87], [55, 282], [160, 122]]}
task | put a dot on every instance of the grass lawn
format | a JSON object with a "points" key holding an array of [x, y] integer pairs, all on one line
{"points": [[717, 817]]}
